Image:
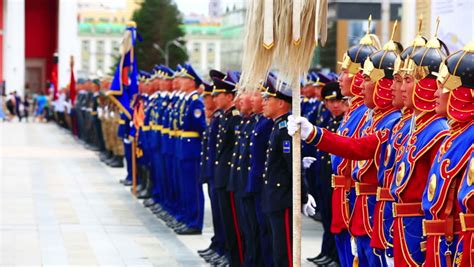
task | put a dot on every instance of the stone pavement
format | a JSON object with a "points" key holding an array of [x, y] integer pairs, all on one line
{"points": [[60, 206]]}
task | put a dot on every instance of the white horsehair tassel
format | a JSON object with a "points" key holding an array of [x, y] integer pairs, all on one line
{"points": [[297, 5], [316, 22], [323, 18], [268, 24]]}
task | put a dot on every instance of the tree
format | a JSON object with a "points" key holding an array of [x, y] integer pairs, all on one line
{"points": [[158, 22]]}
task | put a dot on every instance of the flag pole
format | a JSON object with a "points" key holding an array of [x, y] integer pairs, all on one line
{"points": [[134, 167], [134, 142], [296, 111]]}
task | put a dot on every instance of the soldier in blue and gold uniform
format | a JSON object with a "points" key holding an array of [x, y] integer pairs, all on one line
{"points": [[455, 100], [166, 85], [191, 124], [151, 113], [176, 201]]}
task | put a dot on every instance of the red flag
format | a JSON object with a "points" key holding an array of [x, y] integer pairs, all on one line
{"points": [[72, 87], [54, 80]]}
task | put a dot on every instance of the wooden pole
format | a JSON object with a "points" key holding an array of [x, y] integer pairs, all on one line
{"points": [[134, 168], [296, 183]]}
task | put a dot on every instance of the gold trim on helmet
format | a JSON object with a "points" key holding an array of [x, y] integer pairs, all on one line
{"points": [[347, 64], [397, 66], [448, 81], [369, 69]]}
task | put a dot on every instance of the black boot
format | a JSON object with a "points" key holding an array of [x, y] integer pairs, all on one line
{"points": [[146, 192], [105, 156], [117, 163], [109, 160]]}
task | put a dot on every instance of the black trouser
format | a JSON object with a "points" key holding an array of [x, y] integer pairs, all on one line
{"points": [[282, 237], [61, 120], [231, 226], [253, 255], [98, 134]]}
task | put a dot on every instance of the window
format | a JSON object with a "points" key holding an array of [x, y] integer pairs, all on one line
{"points": [[100, 47], [197, 47], [86, 46], [85, 52], [100, 64], [210, 48]]}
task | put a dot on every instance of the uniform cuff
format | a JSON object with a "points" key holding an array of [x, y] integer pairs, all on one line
{"points": [[315, 136]]}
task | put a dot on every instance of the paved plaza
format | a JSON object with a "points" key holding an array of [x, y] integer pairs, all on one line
{"points": [[60, 206]]}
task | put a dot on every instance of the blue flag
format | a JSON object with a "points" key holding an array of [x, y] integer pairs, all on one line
{"points": [[124, 86]]}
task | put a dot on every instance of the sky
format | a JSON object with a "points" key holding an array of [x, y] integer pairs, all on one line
{"points": [[201, 6], [196, 6]]}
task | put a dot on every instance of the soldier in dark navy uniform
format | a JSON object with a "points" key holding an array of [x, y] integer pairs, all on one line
{"points": [[259, 247], [224, 91], [333, 101], [209, 140], [239, 177], [277, 187]]}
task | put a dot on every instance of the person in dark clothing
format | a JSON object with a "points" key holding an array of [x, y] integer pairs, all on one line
{"points": [[333, 100], [26, 107]]}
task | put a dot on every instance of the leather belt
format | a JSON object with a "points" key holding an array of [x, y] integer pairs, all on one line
{"points": [[341, 181], [384, 194], [467, 221], [365, 189], [441, 227], [407, 210]]}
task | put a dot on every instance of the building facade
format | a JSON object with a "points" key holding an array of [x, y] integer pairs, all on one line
{"points": [[32, 32], [232, 32], [100, 29], [203, 45]]}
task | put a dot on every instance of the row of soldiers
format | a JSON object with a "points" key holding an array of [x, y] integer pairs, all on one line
{"points": [[93, 119], [402, 157], [189, 133], [392, 178]]}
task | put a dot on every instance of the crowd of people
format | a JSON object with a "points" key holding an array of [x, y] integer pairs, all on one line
{"points": [[387, 155], [15, 106]]}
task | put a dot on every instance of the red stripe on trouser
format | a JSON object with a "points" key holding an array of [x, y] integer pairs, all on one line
{"points": [[288, 237], [236, 226]]}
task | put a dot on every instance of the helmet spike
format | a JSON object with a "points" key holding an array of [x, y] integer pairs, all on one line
{"points": [[394, 29], [437, 26], [369, 23]]}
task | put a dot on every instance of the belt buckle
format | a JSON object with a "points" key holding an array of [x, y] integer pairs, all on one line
{"points": [[463, 222], [333, 182], [379, 192], [394, 209], [423, 226], [357, 188]]}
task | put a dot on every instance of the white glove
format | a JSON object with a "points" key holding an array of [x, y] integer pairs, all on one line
{"points": [[294, 123], [307, 161], [309, 207], [389, 260], [353, 247], [131, 123]]}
